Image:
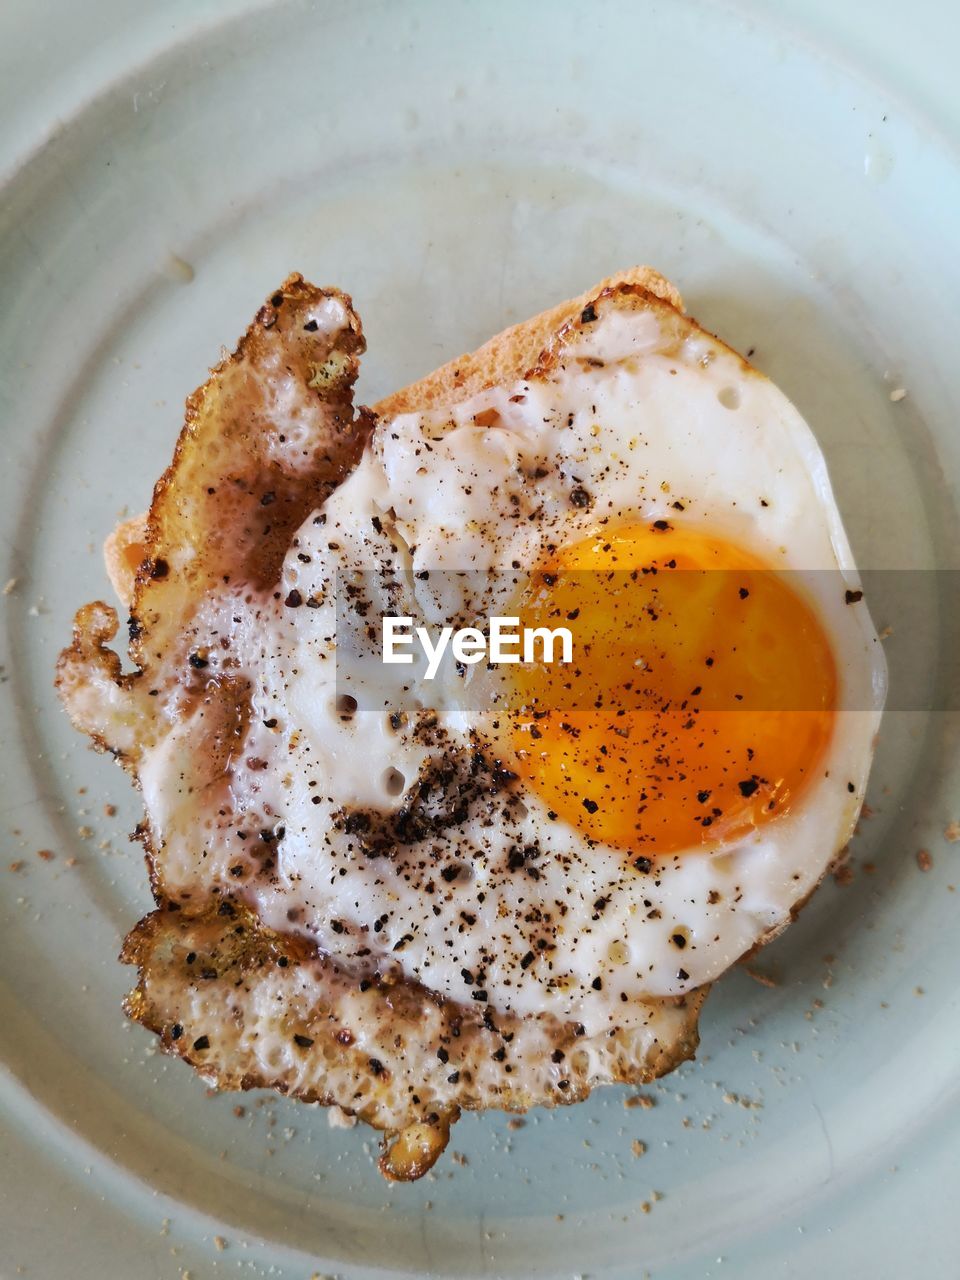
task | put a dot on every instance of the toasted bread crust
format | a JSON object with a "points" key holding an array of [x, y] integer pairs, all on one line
{"points": [[510, 354]]}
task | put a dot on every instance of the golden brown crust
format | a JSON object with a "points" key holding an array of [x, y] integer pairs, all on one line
{"points": [[265, 439], [256, 454], [102, 702], [250, 1008]]}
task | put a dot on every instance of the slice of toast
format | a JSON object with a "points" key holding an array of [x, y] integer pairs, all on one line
{"points": [[246, 1006]]}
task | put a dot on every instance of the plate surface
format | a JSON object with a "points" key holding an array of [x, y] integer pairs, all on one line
{"points": [[457, 167]]}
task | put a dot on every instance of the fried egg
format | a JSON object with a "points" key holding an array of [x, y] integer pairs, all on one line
{"points": [[547, 838]]}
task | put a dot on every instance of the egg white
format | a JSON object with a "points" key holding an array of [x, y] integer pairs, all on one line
{"points": [[639, 423]]}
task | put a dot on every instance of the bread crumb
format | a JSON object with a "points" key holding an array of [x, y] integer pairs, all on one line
{"points": [[84, 832], [638, 1148], [10, 586], [898, 394], [515, 1123], [178, 269], [843, 875], [46, 854], [886, 633], [459, 1158], [763, 978], [924, 861], [748, 1104], [109, 810], [644, 1100], [219, 1243], [952, 832], [71, 862], [17, 866], [239, 1112]]}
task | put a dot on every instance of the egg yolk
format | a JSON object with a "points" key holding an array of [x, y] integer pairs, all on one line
{"points": [[701, 696]]}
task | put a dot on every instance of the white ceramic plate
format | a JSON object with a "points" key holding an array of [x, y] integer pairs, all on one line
{"points": [[457, 166]]}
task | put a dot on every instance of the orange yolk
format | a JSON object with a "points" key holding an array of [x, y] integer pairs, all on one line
{"points": [[700, 699]]}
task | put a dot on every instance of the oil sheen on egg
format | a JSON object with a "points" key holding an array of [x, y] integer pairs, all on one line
{"points": [[568, 839]]}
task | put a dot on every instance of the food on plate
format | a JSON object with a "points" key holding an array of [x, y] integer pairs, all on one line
{"points": [[496, 885]]}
